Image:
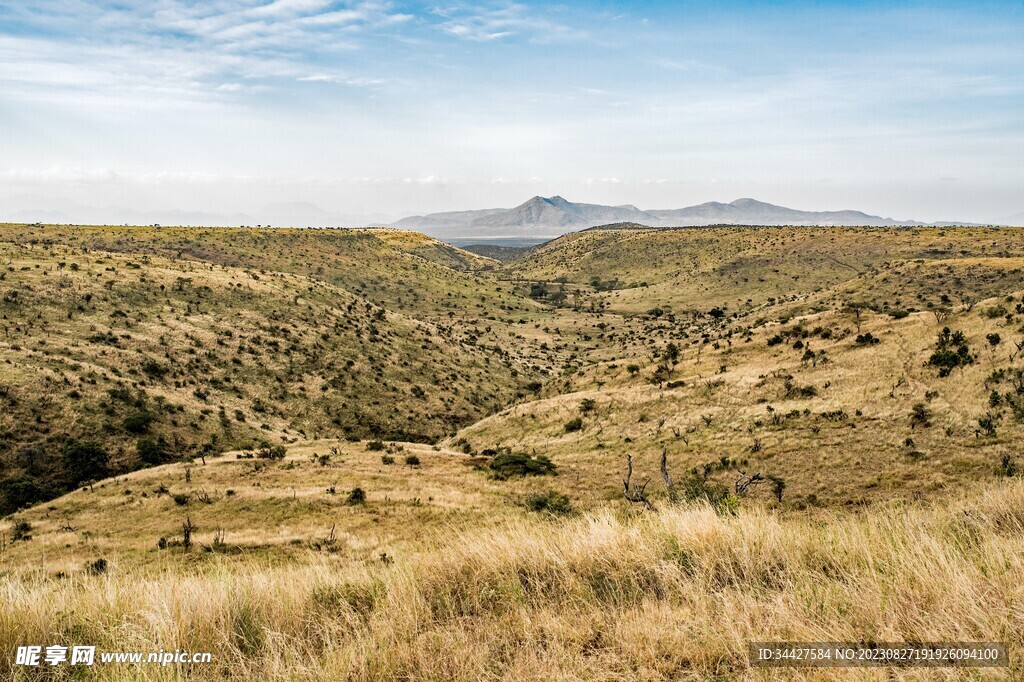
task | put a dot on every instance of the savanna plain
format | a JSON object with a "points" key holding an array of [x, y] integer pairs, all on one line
{"points": [[620, 455]]}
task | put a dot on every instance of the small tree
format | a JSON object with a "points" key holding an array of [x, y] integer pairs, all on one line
{"points": [[187, 529], [857, 309]]}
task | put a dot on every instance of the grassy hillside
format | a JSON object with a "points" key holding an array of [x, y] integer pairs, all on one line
{"points": [[739, 268], [153, 359], [844, 410], [433, 250], [409, 274], [609, 595], [272, 509]]}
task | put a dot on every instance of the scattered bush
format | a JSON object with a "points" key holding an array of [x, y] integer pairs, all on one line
{"points": [[271, 452], [951, 351], [509, 464], [138, 422], [697, 487], [920, 415], [550, 501], [21, 531], [867, 339]]}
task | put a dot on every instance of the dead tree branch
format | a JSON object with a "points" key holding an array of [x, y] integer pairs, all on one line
{"points": [[633, 492]]}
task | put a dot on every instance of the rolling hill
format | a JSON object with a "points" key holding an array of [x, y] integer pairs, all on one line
{"points": [[328, 454]]}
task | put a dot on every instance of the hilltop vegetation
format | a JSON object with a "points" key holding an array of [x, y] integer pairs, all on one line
{"points": [[742, 268], [386, 267]]}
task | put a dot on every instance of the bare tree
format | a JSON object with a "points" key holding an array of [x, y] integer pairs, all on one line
{"points": [[673, 496], [633, 492], [1020, 346], [745, 482], [968, 301], [186, 533]]}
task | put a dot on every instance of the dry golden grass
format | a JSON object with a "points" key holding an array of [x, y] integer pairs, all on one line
{"points": [[668, 595], [267, 509], [862, 457]]}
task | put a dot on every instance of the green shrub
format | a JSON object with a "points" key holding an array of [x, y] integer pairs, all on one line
{"points": [[20, 491], [697, 487], [271, 452], [151, 452], [357, 496], [951, 351], [138, 421], [549, 501], [867, 339], [84, 461], [21, 531], [509, 464]]}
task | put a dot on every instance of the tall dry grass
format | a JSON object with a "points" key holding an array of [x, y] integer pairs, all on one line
{"points": [[669, 595]]}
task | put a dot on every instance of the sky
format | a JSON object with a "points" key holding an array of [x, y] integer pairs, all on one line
{"points": [[237, 109]]}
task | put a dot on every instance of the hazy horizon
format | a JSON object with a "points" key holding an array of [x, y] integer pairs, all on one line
{"points": [[386, 109]]}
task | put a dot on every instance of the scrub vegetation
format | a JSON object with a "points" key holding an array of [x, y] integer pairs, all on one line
{"points": [[623, 454]]}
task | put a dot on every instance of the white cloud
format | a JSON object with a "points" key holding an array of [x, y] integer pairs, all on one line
{"points": [[278, 8], [485, 24]]}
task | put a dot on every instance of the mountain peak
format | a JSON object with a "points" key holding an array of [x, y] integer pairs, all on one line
{"points": [[747, 202]]}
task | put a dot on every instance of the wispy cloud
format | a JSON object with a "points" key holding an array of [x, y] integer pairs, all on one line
{"points": [[407, 101], [178, 55], [484, 24]]}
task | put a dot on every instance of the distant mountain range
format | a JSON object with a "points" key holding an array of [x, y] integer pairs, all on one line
{"points": [[538, 219], [550, 216]]}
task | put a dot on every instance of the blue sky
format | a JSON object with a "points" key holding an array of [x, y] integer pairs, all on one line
{"points": [[902, 109]]}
